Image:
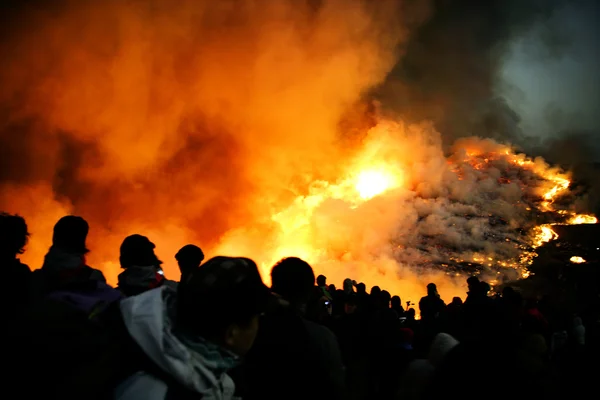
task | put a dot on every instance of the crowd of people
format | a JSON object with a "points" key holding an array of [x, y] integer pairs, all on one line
{"points": [[220, 333]]}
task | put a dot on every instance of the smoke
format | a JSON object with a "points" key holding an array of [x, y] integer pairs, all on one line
{"points": [[450, 73], [182, 121]]}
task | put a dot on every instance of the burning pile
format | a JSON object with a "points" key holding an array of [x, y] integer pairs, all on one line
{"points": [[402, 212]]}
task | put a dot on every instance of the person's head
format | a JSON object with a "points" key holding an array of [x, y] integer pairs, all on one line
{"points": [[361, 288], [331, 288], [375, 291], [396, 302], [432, 289], [189, 257], [222, 302], [293, 279], [348, 286], [385, 298], [457, 301], [321, 281], [472, 283], [70, 235], [13, 235], [138, 250], [411, 313]]}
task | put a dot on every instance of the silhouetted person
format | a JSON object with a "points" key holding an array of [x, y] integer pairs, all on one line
{"points": [[293, 358], [322, 285], [14, 296], [397, 306], [65, 275], [194, 337], [189, 258], [455, 305], [431, 305], [473, 286], [142, 270], [480, 311], [385, 299], [16, 275]]}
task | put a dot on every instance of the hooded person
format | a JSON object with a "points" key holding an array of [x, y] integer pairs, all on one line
{"points": [[142, 271], [420, 371], [194, 336], [293, 358], [65, 274]]}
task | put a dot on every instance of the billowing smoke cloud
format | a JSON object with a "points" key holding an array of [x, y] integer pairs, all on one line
{"points": [[178, 120]]}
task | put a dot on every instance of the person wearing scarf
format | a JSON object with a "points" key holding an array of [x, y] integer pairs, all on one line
{"points": [[142, 271]]}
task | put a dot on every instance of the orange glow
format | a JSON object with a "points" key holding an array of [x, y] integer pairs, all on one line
{"points": [[577, 260], [220, 123]]}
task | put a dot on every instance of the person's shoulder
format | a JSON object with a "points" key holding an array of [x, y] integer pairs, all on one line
{"points": [[141, 386], [173, 285], [95, 274]]}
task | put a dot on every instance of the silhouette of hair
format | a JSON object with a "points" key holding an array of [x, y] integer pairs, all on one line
{"points": [[396, 302], [293, 279], [13, 235], [70, 234], [224, 291], [137, 250]]}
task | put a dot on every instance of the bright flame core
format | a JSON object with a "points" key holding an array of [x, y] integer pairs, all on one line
{"points": [[371, 183], [577, 260]]}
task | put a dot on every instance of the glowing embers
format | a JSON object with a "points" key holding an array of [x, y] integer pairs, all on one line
{"points": [[582, 219], [577, 260]]}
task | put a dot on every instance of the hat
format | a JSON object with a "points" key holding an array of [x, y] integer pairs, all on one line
{"points": [[137, 250], [70, 234], [190, 253]]}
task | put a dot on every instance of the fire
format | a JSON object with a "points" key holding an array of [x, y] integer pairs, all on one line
{"points": [[554, 183], [577, 260], [582, 219], [229, 136], [544, 234], [371, 183]]}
